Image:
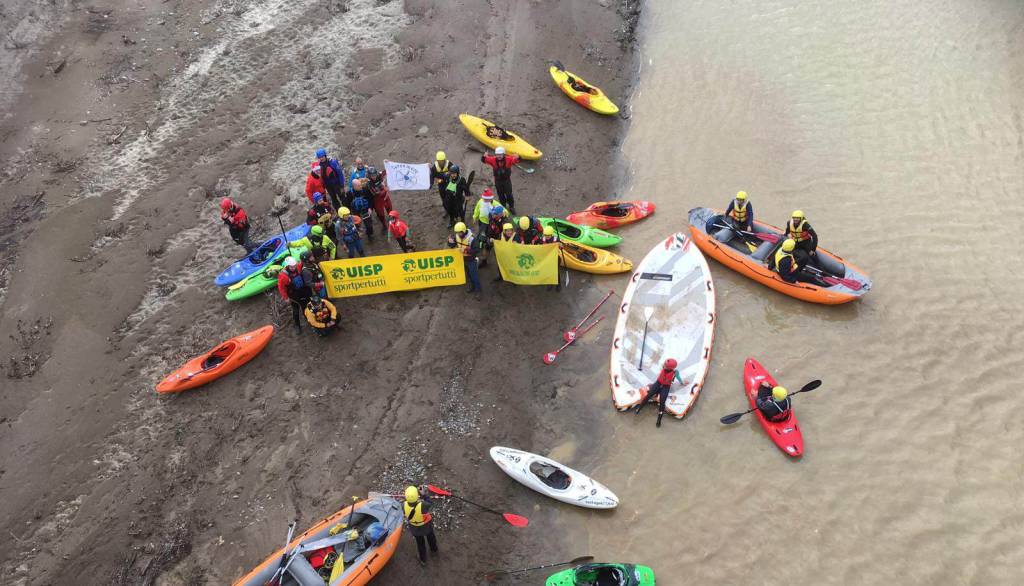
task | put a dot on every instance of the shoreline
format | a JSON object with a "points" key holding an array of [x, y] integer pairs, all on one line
{"points": [[197, 488]]}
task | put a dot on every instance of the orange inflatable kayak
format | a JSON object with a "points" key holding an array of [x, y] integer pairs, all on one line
{"points": [[612, 214], [845, 282], [214, 364], [347, 558]]}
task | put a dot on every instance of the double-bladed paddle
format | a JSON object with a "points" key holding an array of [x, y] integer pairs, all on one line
{"points": [[734, 417]]}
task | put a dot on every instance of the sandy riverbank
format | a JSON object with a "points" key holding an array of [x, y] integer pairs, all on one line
{"points": [[130, 119]]}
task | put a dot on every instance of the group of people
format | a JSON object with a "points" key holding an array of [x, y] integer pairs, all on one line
{"points": [[494, 223], [794, 257], [454, 189]]}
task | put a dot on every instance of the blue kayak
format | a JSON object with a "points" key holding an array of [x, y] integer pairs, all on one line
{"points": [[260, 258]]}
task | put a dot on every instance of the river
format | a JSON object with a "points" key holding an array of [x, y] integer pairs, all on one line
{"points": [[897, 127]]}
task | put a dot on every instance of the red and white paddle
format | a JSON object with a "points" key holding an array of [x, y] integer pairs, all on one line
{"points": [[550, 357], [570, 335]]}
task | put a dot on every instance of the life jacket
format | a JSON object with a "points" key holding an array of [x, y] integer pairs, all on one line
{"points": [[414, 514], [349, 231], [443, 171], [783, 410], [360, 204], [321, 246], [739, 213], [666, 376], [398, 228], [452, 186], [325, 315], [465, 242], [781, 254], [798, 233], [295, 279]]}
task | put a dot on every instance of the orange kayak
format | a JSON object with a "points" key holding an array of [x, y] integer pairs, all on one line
{"points": [[343, 559], [217, 362], [850, 282], [612, 214]]}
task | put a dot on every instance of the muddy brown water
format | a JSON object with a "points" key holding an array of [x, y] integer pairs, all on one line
{"points": [[897, 128]]}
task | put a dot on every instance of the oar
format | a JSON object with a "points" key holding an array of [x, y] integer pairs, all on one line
{"points": [[848, 283], [734, 417], [550, 357], [475, 148], [744, 233], [275, 579], [512, 519], [571, 334], [490, 576]]}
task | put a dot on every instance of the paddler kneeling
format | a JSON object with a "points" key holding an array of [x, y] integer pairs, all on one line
{"points": [[773, 403], [322, 315], [657, 391]]}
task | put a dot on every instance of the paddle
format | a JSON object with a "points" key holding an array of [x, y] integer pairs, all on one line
{"points": [[512, 519], [571, 334], [475, 148], [275, 579], [550, 357], [648, 313], [469, 184], [848, 283], [734, 417], [492, 575]]}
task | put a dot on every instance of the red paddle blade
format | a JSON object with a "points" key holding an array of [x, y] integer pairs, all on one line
{"points": [[767, 237], [439, 491], [516, 520], [549, 358], [569, 336]]}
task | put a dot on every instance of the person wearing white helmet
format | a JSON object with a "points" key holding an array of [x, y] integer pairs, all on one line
{"points": [[502, 164], [297, 284]]}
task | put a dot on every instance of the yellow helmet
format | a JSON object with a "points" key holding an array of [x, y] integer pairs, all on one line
{"points": [[344, 212], [507, 226], [789, 245], [798, 214], [741, 195], [441, 156], [460, 227], [780, 393], [549, 231], [524, 222], [412, 494]]}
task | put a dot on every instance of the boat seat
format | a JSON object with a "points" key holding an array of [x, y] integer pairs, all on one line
{"points": [[302, 571]]}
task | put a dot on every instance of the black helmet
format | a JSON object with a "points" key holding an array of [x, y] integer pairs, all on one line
{"points": [[371, 171], [454, 170]]}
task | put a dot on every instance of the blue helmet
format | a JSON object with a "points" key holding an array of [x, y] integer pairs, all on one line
{"points": [[321, 153], [317, 196], [375, 533], [497, 211]]}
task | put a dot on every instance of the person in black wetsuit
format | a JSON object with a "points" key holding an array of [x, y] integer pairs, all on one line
{"points": [[773, 402]]}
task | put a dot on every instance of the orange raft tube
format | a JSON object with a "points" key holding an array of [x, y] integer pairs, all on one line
{"points": [[737, 257], [313, 558], [214, 364]]}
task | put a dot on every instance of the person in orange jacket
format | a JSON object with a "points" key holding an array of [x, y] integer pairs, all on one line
{"points": [[314, 182], [400, 230], [502, 165], [237, 222]]}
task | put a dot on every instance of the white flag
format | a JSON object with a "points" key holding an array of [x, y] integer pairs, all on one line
{"points": [[407, 176]]}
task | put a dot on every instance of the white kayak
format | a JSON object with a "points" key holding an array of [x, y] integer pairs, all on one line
{"points": [[553, 479], [667, 311]]}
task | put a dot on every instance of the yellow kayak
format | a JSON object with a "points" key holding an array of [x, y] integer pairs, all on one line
{"points": [[594, 99], [494, 136], [580, 257]]}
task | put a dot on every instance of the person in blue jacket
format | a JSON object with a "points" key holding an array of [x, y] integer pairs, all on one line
{"points": [[333, 176]]}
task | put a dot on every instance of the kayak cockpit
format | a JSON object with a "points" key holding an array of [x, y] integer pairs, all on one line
{"points": [[218, 356], [600, 575], [550, 475]]}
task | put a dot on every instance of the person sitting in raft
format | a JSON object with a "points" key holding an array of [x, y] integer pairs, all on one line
{"points": [[498, 133], [786, 263], [799, 229], [773, 402], [739, 215], [657, 391], [321, 314]]}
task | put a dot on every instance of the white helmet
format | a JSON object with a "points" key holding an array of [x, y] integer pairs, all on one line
{"points": [[290, 262], [499, 151]]}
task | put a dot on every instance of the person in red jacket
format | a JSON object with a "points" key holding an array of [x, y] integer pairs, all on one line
{"points": [[502, 165], [314, 182], [296, 285], [658, 390], [400, 230], [380, 197], [237, 222]]}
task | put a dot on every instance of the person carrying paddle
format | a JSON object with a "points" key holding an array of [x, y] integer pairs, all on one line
{"points": [[296, 285], [380, 196], [773, 402], [657, 391], [454, 195], [739, 215], [237, 222], [317, 242], [420, 522], [502, 165], [400, 230], [439, 173], [800, 231], [463, 238], [347, 229], [332, 176]]}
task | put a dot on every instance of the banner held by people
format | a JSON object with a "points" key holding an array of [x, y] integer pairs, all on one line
{"points": [[407, 176], [371, 275], [527, 264]]}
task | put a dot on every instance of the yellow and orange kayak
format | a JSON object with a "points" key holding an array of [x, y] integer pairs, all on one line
{"points": [[587, 259], [214, 364], [612, 214], [513, 143], [594, 100]]}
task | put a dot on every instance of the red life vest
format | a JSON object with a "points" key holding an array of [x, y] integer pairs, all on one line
{"points": [[666, 377], [398, 228]]}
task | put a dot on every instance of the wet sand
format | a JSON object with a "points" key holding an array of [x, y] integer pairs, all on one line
{"points": [[127, 124]]}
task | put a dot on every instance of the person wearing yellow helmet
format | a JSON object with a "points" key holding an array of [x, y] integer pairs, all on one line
{"points": [[439, 174], [799, 229], [469, 245], [508, 234], [347, 229], [529, 231], [739, 216], [788, 261], [420, 522], [773, 402], [548, 236]]}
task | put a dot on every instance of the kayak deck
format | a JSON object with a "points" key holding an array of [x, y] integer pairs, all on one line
{"points": [[786, 434]]}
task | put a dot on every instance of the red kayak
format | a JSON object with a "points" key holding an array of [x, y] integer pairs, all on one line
{"points": [[786, 434], [214, 364], [612, 214]]}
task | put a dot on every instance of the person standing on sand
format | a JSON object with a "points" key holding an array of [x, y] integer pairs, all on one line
{"points": [[237, 222], [463, 238], [296, 285], [528, 232], [502, 165], [420, 522], [380, 197], [347, 229], [454, 194], [314, 182], [400, 230], [333, 177], [439, 173], [358, 172]]}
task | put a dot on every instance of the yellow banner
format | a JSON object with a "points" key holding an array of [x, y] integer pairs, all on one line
{"points": [[527, 264], [371, 275]]}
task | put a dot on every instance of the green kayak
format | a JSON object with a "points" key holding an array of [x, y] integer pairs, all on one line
{"points": [[587, 235], [601, 574], [261, 281]]}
